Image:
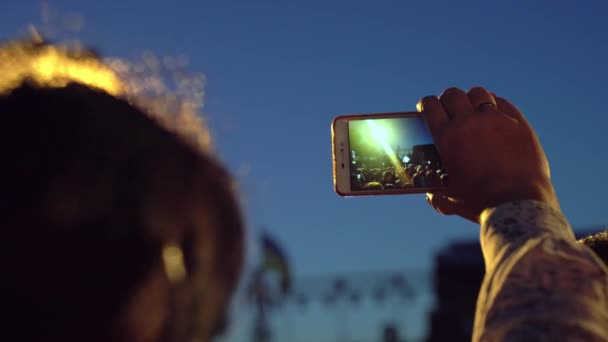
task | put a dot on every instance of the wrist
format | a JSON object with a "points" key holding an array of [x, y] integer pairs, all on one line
{"points": [[538, 191]]}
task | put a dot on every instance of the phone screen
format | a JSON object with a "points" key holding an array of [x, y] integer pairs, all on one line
{"points": [[393, 154]]}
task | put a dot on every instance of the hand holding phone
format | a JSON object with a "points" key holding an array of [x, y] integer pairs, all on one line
{"points": [[493, 155], [381, 154]]}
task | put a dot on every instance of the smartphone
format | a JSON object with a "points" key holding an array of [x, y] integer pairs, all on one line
{"points": [[382, 154]]}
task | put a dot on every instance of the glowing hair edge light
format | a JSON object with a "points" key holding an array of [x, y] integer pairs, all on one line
{"points": [[54, 66], [57, 65]]}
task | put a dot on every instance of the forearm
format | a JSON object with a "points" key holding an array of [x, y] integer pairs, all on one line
{"points": [[539, 282]]}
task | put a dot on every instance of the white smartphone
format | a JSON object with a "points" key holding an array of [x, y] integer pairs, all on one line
{"points": [[382, 154]]}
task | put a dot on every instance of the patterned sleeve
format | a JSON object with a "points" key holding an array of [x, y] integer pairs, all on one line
{"points": [[540, 284]]}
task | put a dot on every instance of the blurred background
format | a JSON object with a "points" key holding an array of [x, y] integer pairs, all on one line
{"points": [[325, 268]]}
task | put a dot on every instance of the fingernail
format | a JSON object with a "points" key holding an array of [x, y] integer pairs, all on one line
{"points": [[420, 104]]}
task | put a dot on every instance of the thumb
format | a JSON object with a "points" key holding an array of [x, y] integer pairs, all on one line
{"points": [[449, 206]]}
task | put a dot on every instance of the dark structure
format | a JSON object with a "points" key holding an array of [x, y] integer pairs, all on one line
{"points": [[457, 277], [422, 154]]}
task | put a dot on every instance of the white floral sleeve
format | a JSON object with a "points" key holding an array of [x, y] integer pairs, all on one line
{"points": [[540, 284]]}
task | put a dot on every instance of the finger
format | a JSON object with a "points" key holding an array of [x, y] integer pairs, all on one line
{"points": [[434, 115], [447, 206], [481, 99], [441, 203], [508, 108], [456, 103]]}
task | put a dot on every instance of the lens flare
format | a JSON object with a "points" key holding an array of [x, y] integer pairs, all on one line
{"points": [[378, 133], [382, 136]]}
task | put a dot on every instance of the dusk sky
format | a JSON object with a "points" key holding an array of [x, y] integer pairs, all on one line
{"points": [[277, 72]]}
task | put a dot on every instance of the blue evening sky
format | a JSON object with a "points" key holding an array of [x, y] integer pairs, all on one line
{"points": [[279, 71]]}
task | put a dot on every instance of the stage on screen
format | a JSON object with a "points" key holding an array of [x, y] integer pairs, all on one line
{"points": [[393, 153]]}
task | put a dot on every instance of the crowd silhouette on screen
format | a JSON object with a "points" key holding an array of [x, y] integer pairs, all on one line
{"points": [[386, 176]]}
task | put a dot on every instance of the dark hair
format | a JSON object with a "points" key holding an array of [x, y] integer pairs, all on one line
{"points": [[92, 188], [373, 186], [598, 243]]}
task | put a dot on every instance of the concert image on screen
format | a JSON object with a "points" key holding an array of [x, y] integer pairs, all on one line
{"points": [[393, 153]]}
